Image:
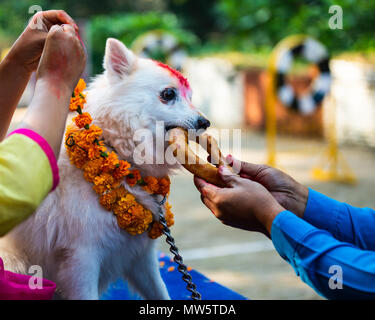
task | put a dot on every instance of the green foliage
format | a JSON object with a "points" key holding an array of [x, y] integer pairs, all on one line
{"points": [[221, 25], [251, 24], [128, 27]]}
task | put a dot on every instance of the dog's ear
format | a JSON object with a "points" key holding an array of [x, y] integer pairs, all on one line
{"points": [[118, 59]]}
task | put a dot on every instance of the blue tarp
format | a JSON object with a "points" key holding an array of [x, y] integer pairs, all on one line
{"points": [[210, 290]]}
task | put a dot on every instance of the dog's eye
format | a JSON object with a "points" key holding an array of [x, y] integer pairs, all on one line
{"points": [[168, 94]]}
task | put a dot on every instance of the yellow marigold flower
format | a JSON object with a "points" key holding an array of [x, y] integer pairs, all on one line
{"points": [[122, 170], [133, 177], [83, 120]]}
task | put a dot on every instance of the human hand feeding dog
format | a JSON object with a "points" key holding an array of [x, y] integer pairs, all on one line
{"points": [[242, 203], [289, 193], [260, 181]]}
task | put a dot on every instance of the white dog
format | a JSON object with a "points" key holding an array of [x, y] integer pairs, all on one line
{"points": [[77, 242]]}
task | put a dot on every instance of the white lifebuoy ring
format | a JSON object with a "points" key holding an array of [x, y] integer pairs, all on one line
{"points": [[314, 52], [155, 41]]}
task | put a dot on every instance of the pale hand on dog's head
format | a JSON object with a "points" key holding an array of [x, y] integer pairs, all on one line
{"points": [[132, 94]]}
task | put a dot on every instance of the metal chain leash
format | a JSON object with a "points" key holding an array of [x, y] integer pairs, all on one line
{"points": [[195, 295]]}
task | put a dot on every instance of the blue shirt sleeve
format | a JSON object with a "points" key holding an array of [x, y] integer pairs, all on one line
{"points": [[322, 261], [345, 222]]}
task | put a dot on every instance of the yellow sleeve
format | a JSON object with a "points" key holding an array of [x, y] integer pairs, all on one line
{"points": [[26, 176]]}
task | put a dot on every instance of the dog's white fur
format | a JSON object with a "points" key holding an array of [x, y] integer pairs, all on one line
{"points": [[77, 242]]}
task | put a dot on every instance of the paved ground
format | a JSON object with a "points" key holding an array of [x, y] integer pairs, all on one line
{"points": [[246, 262]]}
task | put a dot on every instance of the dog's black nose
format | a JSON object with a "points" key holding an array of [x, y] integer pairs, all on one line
{"points": [[203, 123]]}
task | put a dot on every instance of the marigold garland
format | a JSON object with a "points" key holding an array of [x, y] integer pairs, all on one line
{"points": [[106, 171]]}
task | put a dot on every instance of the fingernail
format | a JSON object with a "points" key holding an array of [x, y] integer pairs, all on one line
{"points": [[224, 170]]}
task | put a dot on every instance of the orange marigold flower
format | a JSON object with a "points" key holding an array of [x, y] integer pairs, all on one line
{"points": [[104, 182], [133, 177], [164, 184], [121, 170], [124, 220], [78, 99], [110, 162], [94, 151], [82, 120], [108, 200], [141, 219], [87, 152], [157, 229], [91, 134], [92, 169], [121, 192], [124, 204], [70, 129], [77, 102], [151, 185], [77, 156], [81, 85], [99, 189]]}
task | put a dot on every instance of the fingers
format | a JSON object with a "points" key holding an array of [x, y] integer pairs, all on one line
{"points": [[63, 29], [55, 29], [206, 189], [59, 17], [228, 177], [209, 204], [68, 29], [246, 169]]}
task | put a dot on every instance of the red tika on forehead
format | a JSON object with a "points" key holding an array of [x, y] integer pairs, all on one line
{"points": [[183, 81]]}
